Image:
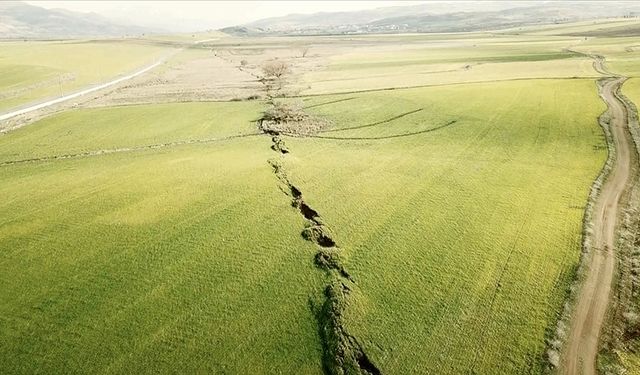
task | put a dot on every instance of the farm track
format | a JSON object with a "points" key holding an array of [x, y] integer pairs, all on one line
{"points": [[125, 149], [592, 298]]}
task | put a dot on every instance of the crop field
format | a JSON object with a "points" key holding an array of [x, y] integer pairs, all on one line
{"points": [[451, 171], [150, 261], [97, 129], [478, 59], [39, 70], [462, 239]]}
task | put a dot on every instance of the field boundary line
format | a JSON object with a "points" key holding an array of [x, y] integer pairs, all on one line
{"points": [[125, 149], [374, 138], [439, 85], [375, 123]]}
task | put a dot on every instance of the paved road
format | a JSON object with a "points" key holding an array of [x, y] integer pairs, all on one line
{"points": [[35, 107]]}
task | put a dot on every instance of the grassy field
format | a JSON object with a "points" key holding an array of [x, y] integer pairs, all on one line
{"points": [[129, 126], [457, 209], [39, 70], [184, 259], [448, 61], [463, 240]]}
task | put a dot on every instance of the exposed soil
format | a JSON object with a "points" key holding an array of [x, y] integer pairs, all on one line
{"points": [[206, 78], [215, 73], [588, 315]]}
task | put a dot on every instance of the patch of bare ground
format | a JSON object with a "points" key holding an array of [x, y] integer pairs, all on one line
{"points": [[206, 77], [210, 73], [291, 119]]}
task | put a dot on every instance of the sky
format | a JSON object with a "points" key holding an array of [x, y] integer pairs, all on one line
{"points": [[202, 15]]}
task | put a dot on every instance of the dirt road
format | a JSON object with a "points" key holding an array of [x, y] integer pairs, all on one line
{"points": [[593, 297]]}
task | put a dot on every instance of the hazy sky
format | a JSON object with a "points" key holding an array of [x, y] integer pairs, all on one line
{"points": [[195, 15]]}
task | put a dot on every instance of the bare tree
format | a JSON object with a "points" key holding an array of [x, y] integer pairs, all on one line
{"points": [[304, 51], [275, 69], [274, 74]]}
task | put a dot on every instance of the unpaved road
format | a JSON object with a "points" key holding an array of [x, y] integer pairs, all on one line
{"points": [[593, 297], [48, 103]]}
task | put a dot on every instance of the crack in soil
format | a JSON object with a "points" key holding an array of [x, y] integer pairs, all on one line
{"points": [[342, 352]]}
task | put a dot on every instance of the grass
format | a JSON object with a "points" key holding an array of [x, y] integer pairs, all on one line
{"points": [[600, 27], [37, 70], [622, 54], [462, 241], [457, 210], [129, 126], [185, 259], [476, 59]]}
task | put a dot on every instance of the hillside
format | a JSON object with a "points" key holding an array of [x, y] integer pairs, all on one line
{"points": [[21, 20], [438, 17]]}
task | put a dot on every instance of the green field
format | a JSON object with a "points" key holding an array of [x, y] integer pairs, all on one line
{"points": [[209, 252], [156, 238], [38, 70], [450, 60], [129, 126], [154, 261], [464, 239]]}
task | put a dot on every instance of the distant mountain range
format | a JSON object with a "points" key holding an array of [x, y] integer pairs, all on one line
{"points": [[438, 16], [21, 20]]}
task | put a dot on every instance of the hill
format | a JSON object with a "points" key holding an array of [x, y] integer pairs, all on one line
{"points": [[439, 17], [21, 20]]}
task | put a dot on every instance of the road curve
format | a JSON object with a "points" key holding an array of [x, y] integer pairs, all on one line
{"points": [[579, 357], [48, 103]]}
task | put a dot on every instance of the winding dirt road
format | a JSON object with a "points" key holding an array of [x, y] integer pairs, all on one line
{"points": [[593, 297]]}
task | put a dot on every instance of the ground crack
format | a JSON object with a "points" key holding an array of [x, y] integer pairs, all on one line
{"points": [[343, 354]]}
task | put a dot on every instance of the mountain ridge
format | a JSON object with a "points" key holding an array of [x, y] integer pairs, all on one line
{"points": [[438, 17], [21, 20]]}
